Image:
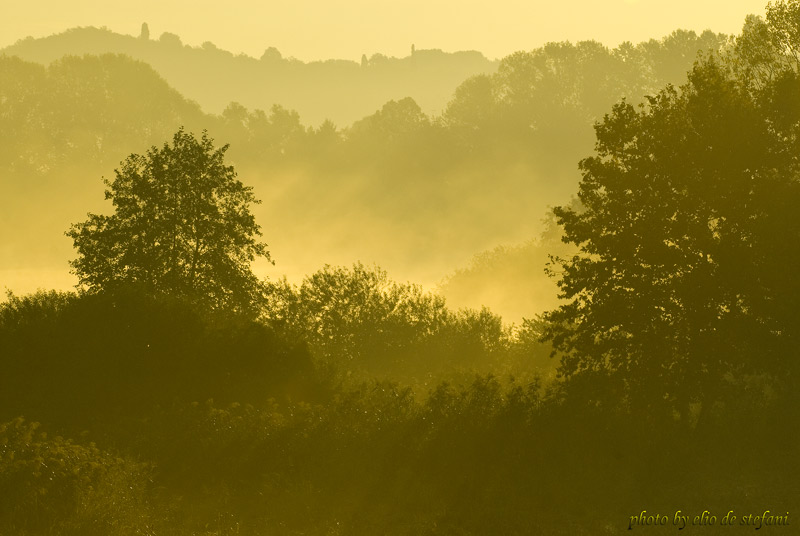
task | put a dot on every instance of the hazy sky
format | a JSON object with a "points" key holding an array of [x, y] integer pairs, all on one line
{"points": [[322, 29]]}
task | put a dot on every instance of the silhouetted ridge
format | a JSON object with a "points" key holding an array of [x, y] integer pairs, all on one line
{"points": [[342, 90]]}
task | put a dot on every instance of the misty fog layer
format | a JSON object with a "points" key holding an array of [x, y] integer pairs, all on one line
{"points": [[415, 192]]}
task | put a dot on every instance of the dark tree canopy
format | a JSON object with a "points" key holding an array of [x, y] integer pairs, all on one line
{"points": [[182, 226], [686, 287]]}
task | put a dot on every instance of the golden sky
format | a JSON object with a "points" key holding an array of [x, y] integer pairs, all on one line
{"points": [[323, 29]]}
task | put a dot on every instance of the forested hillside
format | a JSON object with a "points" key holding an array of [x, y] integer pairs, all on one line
{"points": [[339, 90]]}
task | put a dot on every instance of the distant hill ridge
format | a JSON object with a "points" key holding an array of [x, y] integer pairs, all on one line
{"points": [[340, 90]]}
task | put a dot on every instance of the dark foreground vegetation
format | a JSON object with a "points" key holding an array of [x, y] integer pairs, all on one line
{"points": [[160, 420], [176, 393]]}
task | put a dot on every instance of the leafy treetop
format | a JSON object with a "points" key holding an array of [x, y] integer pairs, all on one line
{"points": [[182, 226]]}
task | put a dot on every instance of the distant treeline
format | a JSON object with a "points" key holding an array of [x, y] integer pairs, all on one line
{"points": [[346, 90], [343, 90], [559, 88]]}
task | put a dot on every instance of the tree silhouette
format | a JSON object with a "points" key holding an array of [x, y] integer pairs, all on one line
{"points": [[182, 226], [682, 288], [783, 17]]}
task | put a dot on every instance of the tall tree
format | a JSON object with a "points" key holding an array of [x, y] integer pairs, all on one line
{"points": [[683, 286], [182, 226]]}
